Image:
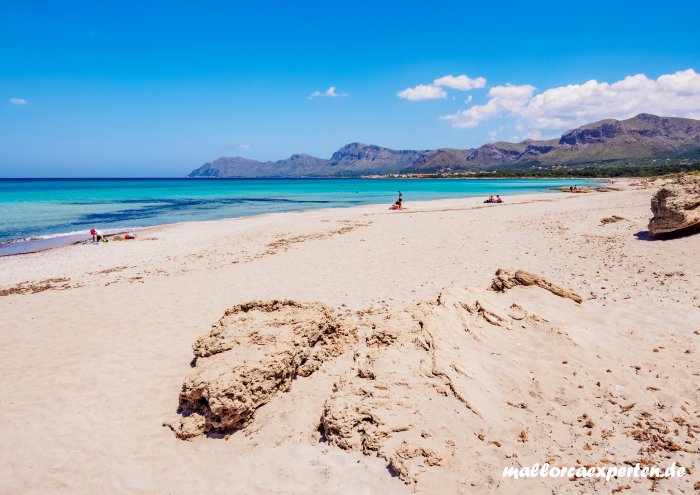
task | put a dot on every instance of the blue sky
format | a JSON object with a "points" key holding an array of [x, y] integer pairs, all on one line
{"points": [[107, 89]]}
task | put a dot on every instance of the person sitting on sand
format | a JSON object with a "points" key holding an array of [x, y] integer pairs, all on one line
{"points": [[490, 200], [499, 199], [399, 203], [97, 235]]}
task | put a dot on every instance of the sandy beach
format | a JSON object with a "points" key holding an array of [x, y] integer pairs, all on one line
{"points": [[439, 384]]}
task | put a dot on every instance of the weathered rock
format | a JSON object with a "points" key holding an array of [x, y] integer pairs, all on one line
{"points": [[472, 375], [393, 401], [505, 279], [676, 207], [251, 353], [424, 399]]}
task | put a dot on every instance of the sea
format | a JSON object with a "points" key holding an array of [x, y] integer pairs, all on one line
{"points": [[37, 214]]}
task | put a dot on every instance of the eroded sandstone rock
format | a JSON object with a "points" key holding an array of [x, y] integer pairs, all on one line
{"points": [[250, 354], [423, 399], [676, 207], [499, 377]]}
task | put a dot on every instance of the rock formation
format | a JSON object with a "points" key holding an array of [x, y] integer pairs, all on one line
{"points": [[255, 350], [676, 207], [421, 399], [448, 392]]}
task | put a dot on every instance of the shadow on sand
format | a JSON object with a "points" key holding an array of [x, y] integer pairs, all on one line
{"points": [[645, 235]]}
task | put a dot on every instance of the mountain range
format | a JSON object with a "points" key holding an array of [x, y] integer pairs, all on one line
{"points": [[642, 140]]}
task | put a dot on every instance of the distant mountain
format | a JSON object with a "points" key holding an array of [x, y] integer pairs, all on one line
{"points": [[294, 166], [641, 140], [359, 159]]}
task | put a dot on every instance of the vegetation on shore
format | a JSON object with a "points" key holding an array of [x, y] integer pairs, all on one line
{"points": [[592, 172]]}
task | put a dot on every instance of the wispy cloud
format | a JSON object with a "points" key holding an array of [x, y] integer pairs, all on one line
{"points": [[422, 92], [330, 92], [244, 146], [462, 83], [18, 101], [436, 89], [564, 107]]}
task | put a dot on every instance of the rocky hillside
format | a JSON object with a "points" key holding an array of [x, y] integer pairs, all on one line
{"points": [[358, 159], [294, 166], [642, 140]]}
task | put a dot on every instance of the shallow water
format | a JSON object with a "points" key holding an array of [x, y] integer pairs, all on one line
{"points": [[39, 213]]}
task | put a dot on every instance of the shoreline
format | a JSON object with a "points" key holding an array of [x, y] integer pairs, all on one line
{"points": [[57, 241], [14, 247]]}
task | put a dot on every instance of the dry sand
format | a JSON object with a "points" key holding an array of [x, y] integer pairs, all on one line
{"points": [[443, 383]]}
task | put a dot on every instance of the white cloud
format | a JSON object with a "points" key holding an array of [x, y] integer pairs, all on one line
{"points": [[331, 92], [566, 107], [18, 101], [436, 89], [422, 92], [462, 83], [244, 146], [502, 99]]}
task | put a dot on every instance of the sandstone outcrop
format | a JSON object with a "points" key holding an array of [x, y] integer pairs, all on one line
{"points": [[505, 377], [676, 207], [253, 352], [423, 400]]}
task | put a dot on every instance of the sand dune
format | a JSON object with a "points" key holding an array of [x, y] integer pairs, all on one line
{"points": [[411, 374]]}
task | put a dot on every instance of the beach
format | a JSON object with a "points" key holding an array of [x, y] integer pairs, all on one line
{"points": [[61, 211], [96, 341]]}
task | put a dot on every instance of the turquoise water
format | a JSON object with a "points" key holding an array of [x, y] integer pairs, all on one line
{"points": [[34, 210]]}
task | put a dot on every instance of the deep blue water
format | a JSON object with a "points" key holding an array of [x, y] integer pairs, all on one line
{"points": [[40, 209]]}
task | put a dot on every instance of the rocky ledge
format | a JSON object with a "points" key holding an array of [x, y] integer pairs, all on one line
{"points": [[676, 207]]}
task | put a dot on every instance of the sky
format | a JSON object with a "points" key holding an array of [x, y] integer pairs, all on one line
{"points": [[156, 89]]}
